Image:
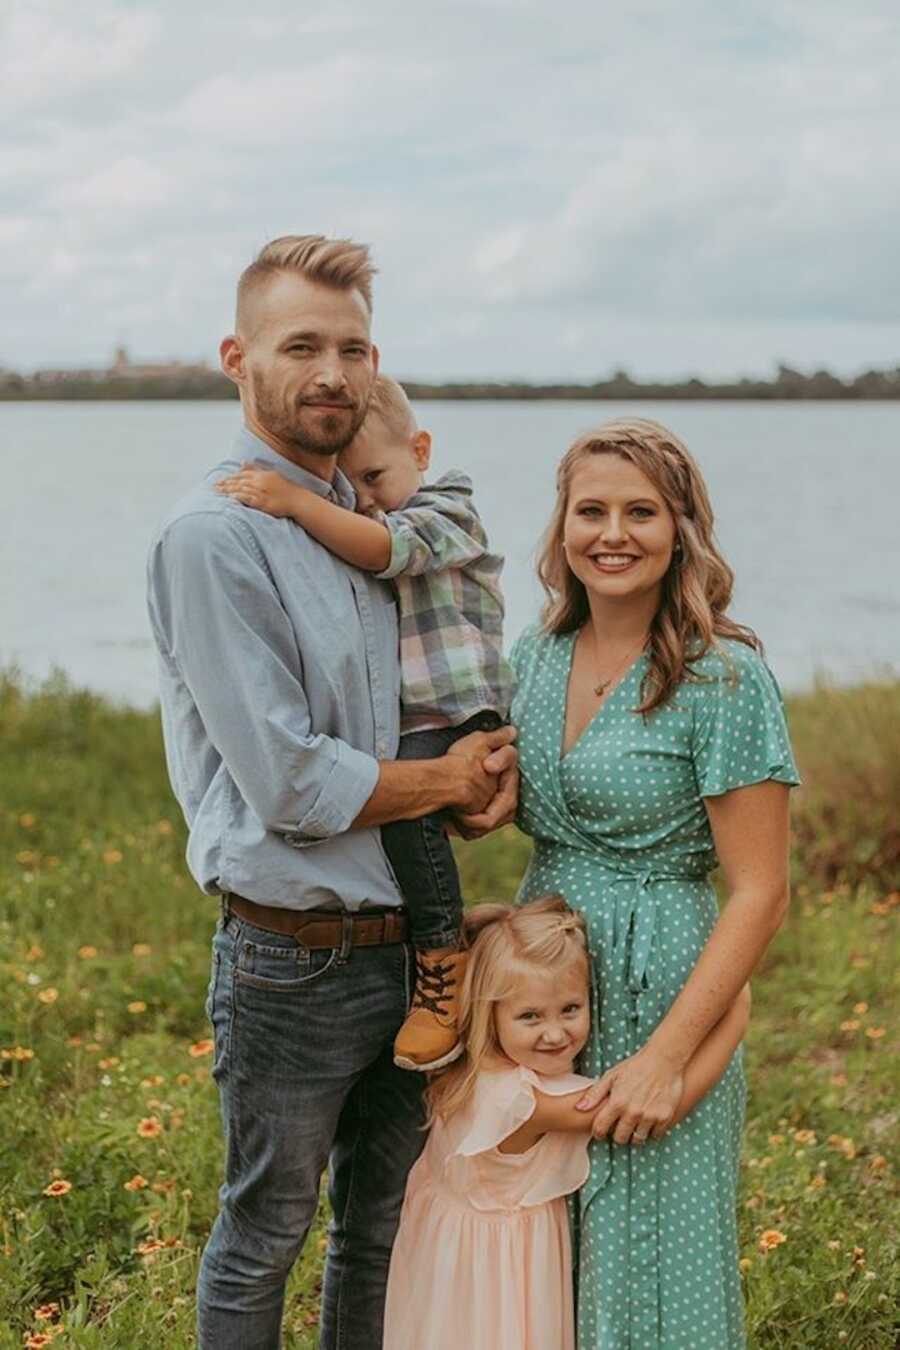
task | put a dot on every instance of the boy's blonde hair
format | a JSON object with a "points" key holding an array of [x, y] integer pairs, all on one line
{"points": [[340, 263], [388, 402], [542, 937]]}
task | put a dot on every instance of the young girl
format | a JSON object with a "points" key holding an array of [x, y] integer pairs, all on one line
{"points": [[482, 1257]]}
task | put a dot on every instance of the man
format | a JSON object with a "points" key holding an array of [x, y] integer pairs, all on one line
{"points": [[280, 711]]}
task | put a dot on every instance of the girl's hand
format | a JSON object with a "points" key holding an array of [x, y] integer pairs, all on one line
{"points": [[636, 1099], [264, 489]]}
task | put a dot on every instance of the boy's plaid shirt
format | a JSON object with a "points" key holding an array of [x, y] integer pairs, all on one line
{"points": [[451, 608]]}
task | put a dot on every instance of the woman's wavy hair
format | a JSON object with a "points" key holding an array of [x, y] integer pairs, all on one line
{"points": [[505, 942], [696, 589]]}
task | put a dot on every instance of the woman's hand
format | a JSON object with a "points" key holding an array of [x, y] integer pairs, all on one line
{"points": [[635, 1100]]}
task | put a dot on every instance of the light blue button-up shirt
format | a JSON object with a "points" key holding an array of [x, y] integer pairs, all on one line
{"points": [[280, 691]]}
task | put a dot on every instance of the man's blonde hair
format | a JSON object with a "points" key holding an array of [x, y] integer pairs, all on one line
{"points": [[340, 263], [388, 402]]}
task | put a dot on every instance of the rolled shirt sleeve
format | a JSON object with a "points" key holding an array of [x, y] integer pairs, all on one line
{"points": [[218, 618]]}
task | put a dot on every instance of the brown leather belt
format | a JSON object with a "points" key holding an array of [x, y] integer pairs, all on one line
{"points": [[320, 928]]}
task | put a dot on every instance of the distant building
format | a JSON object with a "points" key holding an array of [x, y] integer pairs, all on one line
{"points": [[123, 368]]}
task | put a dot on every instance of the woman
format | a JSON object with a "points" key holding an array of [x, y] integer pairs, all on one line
{"points": [[652, 744]]}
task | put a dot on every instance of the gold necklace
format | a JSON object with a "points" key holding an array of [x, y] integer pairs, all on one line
{"points": [[604, 685]]}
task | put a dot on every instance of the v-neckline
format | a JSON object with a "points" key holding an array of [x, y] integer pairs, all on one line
{"points": [[567, 679]]}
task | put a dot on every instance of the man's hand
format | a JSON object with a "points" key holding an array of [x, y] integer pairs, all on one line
{"points": [[502, 809], [488, 786]]}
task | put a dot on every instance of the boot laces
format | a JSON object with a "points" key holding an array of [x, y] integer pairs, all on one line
{"points": [[434, 985]]}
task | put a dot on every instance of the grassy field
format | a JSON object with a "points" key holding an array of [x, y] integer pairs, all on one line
{"points": [[109, 1142]]}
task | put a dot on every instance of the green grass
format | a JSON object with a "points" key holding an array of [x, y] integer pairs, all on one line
{"points": [[105, 947]]}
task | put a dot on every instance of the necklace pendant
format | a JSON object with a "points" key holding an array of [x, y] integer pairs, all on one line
{"points": [[600, 689]]}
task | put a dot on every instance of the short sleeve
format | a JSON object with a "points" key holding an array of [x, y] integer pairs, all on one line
{"points": [[504, 1101], [521, 650], [740, 734]]}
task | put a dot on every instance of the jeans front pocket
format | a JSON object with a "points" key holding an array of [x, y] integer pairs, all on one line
{"points": [[280, 968], [220, 1004]]}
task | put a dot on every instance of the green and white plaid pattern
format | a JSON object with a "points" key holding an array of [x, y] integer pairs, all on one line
{"points": [[451, 608]]}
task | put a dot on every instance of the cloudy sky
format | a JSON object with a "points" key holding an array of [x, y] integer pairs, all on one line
{"points": [[552, 188]]}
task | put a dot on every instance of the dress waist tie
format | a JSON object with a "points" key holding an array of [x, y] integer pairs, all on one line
{"points": [[631, 958]]}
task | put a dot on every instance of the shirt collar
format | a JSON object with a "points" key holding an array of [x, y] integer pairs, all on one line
{"points": [[249, 446]]}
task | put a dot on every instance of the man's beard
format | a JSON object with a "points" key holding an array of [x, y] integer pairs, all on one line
{"points": [[331, 434]]}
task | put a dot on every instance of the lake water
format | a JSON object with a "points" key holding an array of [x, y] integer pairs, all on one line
{"points": [[807, 499]]}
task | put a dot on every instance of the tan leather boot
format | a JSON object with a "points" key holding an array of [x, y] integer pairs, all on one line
{"points": [[429, 1038]]}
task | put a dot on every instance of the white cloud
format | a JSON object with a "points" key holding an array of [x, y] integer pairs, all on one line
{"points": [[52, 50], [129, 185]]}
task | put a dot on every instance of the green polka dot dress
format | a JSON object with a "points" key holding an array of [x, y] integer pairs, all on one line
{"points": [[620, 830]]}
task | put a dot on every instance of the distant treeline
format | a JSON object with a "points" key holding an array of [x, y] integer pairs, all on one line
{"points": [[201, 384]]}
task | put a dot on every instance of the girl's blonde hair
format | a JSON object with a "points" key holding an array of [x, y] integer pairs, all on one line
{"points": [[506, 942], [696, 589]]}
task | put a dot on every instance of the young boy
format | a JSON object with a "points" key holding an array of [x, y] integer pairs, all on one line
{"points": [[429, 541]]}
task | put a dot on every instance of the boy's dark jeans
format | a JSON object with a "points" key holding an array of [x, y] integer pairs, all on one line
{"points": [[420, 851], [303, 1063]]}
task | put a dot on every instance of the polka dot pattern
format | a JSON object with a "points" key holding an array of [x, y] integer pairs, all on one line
{"points": [[621, 831]]}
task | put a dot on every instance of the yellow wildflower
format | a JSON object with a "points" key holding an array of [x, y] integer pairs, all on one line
{"points": [[150, 1247], [805, 1136], [87, 952], [58, 1188], [150, 1127], [876, 1033], [771, 1238], [141, 949], [48, 995], [112, 856], [138, 1006], [841, 1144], [137, 1183], [200, 1048]]}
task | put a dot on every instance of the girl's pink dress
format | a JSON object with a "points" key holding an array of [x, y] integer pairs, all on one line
{"points": [[482, 1259]]}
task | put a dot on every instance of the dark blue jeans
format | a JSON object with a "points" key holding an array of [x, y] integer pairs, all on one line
{"points": [[305, 1076], [420, 851]]}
